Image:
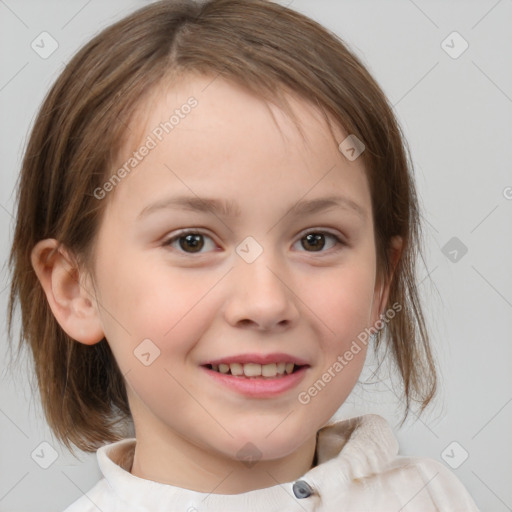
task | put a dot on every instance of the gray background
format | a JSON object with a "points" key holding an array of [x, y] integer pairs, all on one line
{"points": [[457, 116]]}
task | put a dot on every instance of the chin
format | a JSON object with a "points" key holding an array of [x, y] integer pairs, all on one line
{"points": [[258, 444]]}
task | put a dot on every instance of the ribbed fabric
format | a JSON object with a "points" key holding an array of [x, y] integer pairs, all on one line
{"points": [[358, 470]]}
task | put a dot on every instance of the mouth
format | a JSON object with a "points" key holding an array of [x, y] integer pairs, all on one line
{"points": [[256, 370], [257, 375]]}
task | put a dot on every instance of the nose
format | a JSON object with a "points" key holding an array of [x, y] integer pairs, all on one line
{"points": [[261, 296]]}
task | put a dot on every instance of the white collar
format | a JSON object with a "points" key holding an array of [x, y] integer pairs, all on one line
{"points": [[346, 450]]}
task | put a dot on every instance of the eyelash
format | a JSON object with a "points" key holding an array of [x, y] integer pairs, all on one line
{"points": [[182, 234]]}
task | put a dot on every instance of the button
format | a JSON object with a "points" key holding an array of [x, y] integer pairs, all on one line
{"points": [[302, 489]]}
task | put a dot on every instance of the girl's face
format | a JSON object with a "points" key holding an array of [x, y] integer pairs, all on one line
{"points": [[234, 240]]}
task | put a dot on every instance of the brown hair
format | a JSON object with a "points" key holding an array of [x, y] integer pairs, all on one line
{"points": [[260, 45]]}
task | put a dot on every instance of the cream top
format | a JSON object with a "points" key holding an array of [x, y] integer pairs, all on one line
{"points": [[358, 469]]}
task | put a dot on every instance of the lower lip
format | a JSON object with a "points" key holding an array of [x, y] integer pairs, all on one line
{"points": [[259, 387]]}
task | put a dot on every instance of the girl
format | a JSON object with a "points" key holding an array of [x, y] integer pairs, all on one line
{"points": [[216, 217]]}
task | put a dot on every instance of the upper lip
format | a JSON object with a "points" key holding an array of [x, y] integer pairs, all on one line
{"points": [[258, 359]]}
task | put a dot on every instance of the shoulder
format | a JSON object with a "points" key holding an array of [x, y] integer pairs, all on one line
{"points": [[428, 483], [360, 469]]}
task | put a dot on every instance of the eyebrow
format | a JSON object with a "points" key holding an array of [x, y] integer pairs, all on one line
{"points": [[229, 208]]}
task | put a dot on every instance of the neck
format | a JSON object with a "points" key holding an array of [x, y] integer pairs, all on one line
{"points": [[170, 459]]}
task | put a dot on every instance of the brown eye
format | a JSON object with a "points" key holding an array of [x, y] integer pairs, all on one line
{"points": [[318, 241], [315, 241], [193, 242], [190, 242]]}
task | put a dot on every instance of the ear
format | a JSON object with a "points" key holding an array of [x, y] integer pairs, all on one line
{"points": [[383, 284], [73, 306]]}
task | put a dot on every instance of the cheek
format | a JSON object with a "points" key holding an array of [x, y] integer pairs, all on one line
{"points": [[168, 306], [343, 302], [156, 316]]}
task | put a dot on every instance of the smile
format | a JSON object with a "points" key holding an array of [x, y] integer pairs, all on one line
{"points": [[270, 370], [257, 375]]}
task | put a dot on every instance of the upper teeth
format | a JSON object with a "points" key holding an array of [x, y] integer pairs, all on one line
{"points": [[254, 369]]}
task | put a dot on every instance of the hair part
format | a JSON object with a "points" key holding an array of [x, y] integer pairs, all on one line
{"points": [[271, 51]]}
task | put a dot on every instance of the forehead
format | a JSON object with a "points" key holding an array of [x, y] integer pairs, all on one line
{"points": [[227, 108], [206, 131]]}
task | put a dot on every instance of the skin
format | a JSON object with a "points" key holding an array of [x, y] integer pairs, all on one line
{"points": [[197, 307]]}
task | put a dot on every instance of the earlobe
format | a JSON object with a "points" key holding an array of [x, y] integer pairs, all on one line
{"points": [[395, 250], [383, 286], [73, 306]]}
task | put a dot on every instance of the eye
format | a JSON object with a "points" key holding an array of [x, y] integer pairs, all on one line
{"points": [[315, 241], [190, 242]]}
